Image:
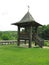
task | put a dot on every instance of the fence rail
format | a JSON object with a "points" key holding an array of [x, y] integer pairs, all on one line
{"points": [[8, 41], [5, 42]]}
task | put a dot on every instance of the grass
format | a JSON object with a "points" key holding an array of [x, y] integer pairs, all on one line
{"points": [[13, 55]]}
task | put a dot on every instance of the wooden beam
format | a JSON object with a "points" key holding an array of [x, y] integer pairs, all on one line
{"points": [[18, 36], [30, 36], [25, 41]]}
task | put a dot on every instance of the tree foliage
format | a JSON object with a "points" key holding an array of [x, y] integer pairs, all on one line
{"points": [[8, 35], [43, 31]]}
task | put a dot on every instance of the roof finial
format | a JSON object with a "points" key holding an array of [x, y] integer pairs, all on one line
{"points": [[28, 8]]}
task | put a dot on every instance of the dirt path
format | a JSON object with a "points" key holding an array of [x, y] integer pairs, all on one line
{"points": [[46, 47]]}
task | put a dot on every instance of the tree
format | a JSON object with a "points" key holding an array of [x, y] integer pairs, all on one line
{"points": [[5, 37]]}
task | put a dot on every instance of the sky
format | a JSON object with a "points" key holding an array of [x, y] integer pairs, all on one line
{"points": [[12, 11]]}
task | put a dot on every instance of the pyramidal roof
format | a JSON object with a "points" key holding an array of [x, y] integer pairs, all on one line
{"points": [[27, 18]]}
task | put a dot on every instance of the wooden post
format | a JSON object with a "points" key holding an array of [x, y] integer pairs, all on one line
{"points": [[30, 36], [25, 32], [25, 41], [18, 36]]}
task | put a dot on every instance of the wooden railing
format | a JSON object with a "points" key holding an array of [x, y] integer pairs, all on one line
{"points": [[24, 36], [6, 42], [38, 40]]}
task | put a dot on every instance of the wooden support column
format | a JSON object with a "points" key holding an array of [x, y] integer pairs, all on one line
{"points": [[30, 36], [25, 41], [25, 32], [18, 36]]}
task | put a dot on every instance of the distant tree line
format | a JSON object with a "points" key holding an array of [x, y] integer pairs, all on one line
{"points": [[43, 32], [8, 35]]}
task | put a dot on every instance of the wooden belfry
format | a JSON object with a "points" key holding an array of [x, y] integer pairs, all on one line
{"points": [[28, 23]]}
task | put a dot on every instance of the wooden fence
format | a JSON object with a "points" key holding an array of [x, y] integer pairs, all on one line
{"points": [[5, 42]]}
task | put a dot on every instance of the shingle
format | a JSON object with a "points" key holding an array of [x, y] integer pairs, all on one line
{"points": [[27, 19]]}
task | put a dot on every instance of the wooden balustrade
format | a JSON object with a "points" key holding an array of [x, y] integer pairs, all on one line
{"points": [[24, 36]]}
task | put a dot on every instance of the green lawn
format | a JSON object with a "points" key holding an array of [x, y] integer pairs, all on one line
{"points": [[13, 55]]}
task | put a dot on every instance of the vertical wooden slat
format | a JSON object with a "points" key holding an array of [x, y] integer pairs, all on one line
{"points": [[18, 36], [25, 41], [30, 36]]}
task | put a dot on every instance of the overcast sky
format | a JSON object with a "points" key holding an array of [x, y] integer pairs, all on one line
{"points": [[12, 11]]}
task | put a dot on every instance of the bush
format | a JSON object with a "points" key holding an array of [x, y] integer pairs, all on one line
{"points": [[46, 42]]}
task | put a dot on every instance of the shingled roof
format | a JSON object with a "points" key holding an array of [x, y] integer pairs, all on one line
{"points": [[26, 19]]}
